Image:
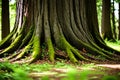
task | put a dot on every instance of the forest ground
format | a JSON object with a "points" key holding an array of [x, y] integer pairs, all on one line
{"points": [[83, 71], [60, 70]]}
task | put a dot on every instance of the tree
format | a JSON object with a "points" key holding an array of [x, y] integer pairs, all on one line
{"points": [[119, 22], [5, 18], [106, 24], [113, 20], [67, 25]]}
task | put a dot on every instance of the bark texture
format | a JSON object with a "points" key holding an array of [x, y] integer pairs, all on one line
{"points": [[66, 25], [106, 23], [5, 18], [119, 23]]}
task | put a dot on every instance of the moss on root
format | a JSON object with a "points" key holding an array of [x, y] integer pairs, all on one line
{"points": [[6, 40], [51, 51], [71, 56], [21, 54], [95, 50], [27, 37], [70, 50], [36, 48], [14, 45]]}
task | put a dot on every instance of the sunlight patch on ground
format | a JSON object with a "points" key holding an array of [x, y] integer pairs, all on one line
{"points": [[47, 73], [115, 66]]}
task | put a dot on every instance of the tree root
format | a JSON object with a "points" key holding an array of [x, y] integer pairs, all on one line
{"points": [[6, 41], [21, 54], [51, 51], [27, 37], [36, 49], [71, 51], [14, 45]]}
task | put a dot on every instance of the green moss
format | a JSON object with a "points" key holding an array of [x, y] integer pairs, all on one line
{"points": [[36, 48], [93, 49], [50, 50], [75, 51], [14, 45], [27, 37], [71, 55], [69, 49], [6, 40], [24, 51]]}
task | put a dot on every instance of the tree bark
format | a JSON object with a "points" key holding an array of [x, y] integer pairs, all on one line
{"points": [[113, 20], [5, 18], [106, 24], [119, 23]]}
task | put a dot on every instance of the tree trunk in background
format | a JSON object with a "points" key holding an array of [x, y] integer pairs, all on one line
{"points": [[55, 27], [106, 23], [5, 18], [113, 20], [119, 23]]}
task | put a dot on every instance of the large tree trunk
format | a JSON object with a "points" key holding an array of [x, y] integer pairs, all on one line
{"points": [[5, 18], [67, 25], [106, 23]]}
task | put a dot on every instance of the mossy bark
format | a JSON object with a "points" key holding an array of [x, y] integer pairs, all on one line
{"points": [[13, 46], [37, 49], [47, 32]]}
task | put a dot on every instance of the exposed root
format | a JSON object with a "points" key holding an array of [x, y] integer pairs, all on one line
{"points": [[6, 41], [25, 60], [36, 49], [11, 56], [104, 51], [27, 37], [51, 51], [71, 51], [14, 45], [21, 54]]}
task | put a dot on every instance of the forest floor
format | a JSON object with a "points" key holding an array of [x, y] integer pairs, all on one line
{"points": [[87, 71], [62, 70], [111, 73]]}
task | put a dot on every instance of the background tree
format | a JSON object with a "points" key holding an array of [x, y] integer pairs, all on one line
{"points": [[67, 25], [113, 19], [106, 24], [5, 18], [119, 23]]}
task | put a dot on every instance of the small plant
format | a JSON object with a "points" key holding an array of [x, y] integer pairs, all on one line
{"points": [[11, 72], [109, 78], [20, 75]]}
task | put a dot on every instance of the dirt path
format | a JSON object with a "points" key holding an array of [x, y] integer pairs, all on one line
{"points": [[114, 66]]}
